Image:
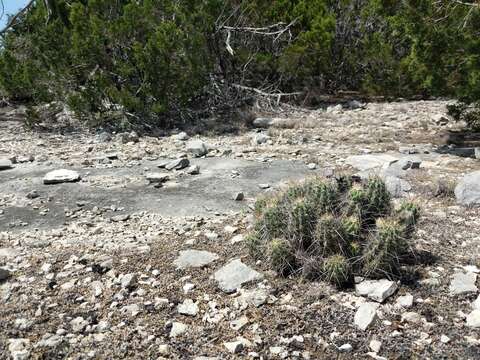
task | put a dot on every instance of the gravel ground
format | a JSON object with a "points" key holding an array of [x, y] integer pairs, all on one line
{"points": [[90, 264]]}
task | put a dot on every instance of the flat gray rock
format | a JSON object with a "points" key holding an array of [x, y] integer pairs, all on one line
{"points": [[397, 187], [255, 297], [365, 315], [463, 283], [198, 195], [473, 319], [377, 290], [157, 178], [5, 164], [370, 161], [197, 148], [233, 275], [61, 176], [467, 190], [178, 329], [405, 301], [177, 164], [194, 258], [188, 307]]}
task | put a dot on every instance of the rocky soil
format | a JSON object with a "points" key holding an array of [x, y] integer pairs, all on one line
{"points": [[120, 246]]}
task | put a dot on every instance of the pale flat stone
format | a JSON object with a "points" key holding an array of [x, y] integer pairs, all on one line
{"points": [[476, 303], [467, 190], [157, 178], [9, 253], [188, 307], [194, 258], [234, 347], [255, 297], [5, 164], [365, 315], [237, 239], [197, 148], [473, 319], [345, 348], [370, 161], [411, 317], [177, 164], [377, 290], [178, 329], [239, 324], [404, 301], [463, 283], [444, 339], [375, 345], [233, 275], [61, 176]]}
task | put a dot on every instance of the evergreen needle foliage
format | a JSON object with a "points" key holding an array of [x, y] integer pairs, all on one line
{"points": [[141, 61]]}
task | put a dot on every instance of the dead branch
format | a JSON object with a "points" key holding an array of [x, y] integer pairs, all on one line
{"points": [[473, 4], [271, 30], [263, 93]]}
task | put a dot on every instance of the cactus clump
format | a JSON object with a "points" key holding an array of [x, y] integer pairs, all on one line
{"points": [[281, 256], [337, 270], [328, 235], [383, 251], [377, 199], [300, 222], [333, 230]]}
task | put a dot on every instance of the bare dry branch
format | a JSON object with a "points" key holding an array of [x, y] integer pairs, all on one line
{"points": [[472, 4], [263, 93], [271, 30]]}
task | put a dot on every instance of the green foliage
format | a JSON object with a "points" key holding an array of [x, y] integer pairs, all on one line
{"points": [[128, 61], [408, 215], [300, 217], [377, 199], [384, 248], [359, 233], [337, 270], [281, 256], [324, 195], [329, 238], [470, 113], [351, 227], [254, 244]]}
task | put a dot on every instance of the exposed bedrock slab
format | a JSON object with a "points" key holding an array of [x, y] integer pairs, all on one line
{"points": [[199, 195], [370, 161]]}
